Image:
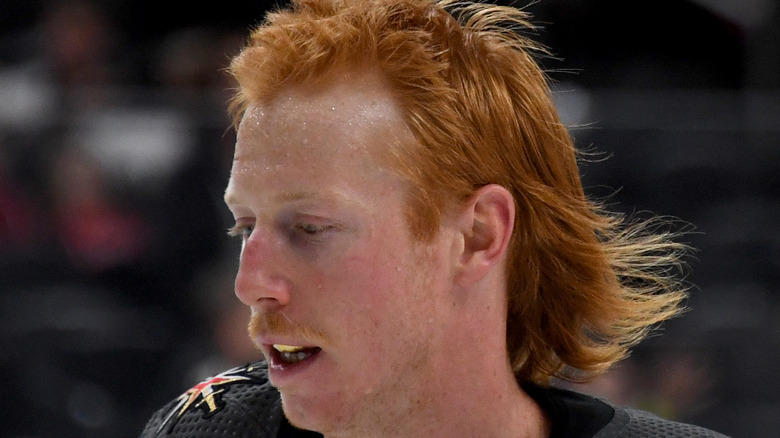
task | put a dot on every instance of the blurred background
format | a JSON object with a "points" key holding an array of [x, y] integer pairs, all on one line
{"points": [[116, 275]]}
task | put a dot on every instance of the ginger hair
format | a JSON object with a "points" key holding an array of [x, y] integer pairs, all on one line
{"points": [[583, 285]]}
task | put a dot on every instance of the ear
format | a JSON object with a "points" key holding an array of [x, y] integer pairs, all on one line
{"points": [[486, 222]]}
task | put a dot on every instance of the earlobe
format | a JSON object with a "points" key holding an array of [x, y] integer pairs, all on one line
{"points": [[486, 223]]}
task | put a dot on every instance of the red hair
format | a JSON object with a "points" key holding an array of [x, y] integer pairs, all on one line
{"points": [[582, 288]]}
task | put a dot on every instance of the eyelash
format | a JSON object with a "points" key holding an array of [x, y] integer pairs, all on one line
{"points": [[243, 231], [309, 229], [312, 229]]}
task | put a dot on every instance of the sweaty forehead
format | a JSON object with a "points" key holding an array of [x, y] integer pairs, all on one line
{"points": [[339, 115], [346, 123], [349, 100]]}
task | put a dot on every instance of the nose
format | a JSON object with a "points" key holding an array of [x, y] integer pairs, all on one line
{"points": [[260, 282]]}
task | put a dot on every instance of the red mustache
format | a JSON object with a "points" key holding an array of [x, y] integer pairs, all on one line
{"points": [[276, 324]]}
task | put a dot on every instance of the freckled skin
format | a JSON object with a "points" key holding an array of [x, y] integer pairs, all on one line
{"points": [[407, 349], [365, 284]]}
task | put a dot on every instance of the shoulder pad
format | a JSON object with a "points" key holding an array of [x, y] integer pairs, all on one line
{"points": [[237, 403]]}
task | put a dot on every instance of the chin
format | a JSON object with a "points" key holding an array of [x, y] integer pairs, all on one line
{"points": [[310, 416]]}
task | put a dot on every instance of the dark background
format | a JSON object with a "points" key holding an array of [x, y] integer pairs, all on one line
{"points": [[116, 275]]}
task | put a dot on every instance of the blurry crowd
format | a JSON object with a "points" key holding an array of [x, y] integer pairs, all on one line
{"points": [[116, 273], [115, 269]]}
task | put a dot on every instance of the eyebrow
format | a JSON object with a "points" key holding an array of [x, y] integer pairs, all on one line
{"points": [[289, 196]]}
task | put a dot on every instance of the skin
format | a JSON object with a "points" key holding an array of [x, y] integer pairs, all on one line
{"points": [[412, 336]]}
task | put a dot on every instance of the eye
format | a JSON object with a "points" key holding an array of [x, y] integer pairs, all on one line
{"points": [[312, 228], [243, 231], [307, 231]]}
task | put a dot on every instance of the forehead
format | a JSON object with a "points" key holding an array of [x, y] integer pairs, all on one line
{"points": [[345, 106], [341, 128], [345, 97]]}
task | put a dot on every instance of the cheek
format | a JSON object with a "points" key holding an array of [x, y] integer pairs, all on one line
{"points": [[387, 296], [362, 295], [371, 291]]}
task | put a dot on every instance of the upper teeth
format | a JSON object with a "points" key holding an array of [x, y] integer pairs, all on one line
{"points": [[287, 348]]}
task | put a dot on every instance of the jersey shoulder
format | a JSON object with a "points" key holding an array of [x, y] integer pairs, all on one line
{"points": [[239, 402], [631, 423]]}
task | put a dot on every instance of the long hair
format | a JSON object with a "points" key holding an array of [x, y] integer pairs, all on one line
{"points": [[582, 286]]}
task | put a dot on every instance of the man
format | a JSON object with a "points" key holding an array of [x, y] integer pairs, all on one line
{"points": [[417, 252]]}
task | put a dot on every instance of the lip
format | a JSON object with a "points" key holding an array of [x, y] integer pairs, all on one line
{"points": [[284, 374]]}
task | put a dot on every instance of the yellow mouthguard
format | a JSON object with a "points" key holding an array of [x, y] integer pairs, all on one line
{"points": [[287, 348]]}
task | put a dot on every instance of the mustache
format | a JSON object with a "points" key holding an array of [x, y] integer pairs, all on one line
{"points": [[263, 324]]}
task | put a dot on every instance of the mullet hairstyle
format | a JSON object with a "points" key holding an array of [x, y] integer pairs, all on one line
{"points": [[583, 286]]}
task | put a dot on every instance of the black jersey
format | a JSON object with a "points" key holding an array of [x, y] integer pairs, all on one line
{"points": [[241, 403]]}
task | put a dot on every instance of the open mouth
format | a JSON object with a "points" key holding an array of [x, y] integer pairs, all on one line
{"points": [[292, 354]]}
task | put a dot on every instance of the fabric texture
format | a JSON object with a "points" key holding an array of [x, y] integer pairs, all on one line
{"points": [[241, 403]]}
